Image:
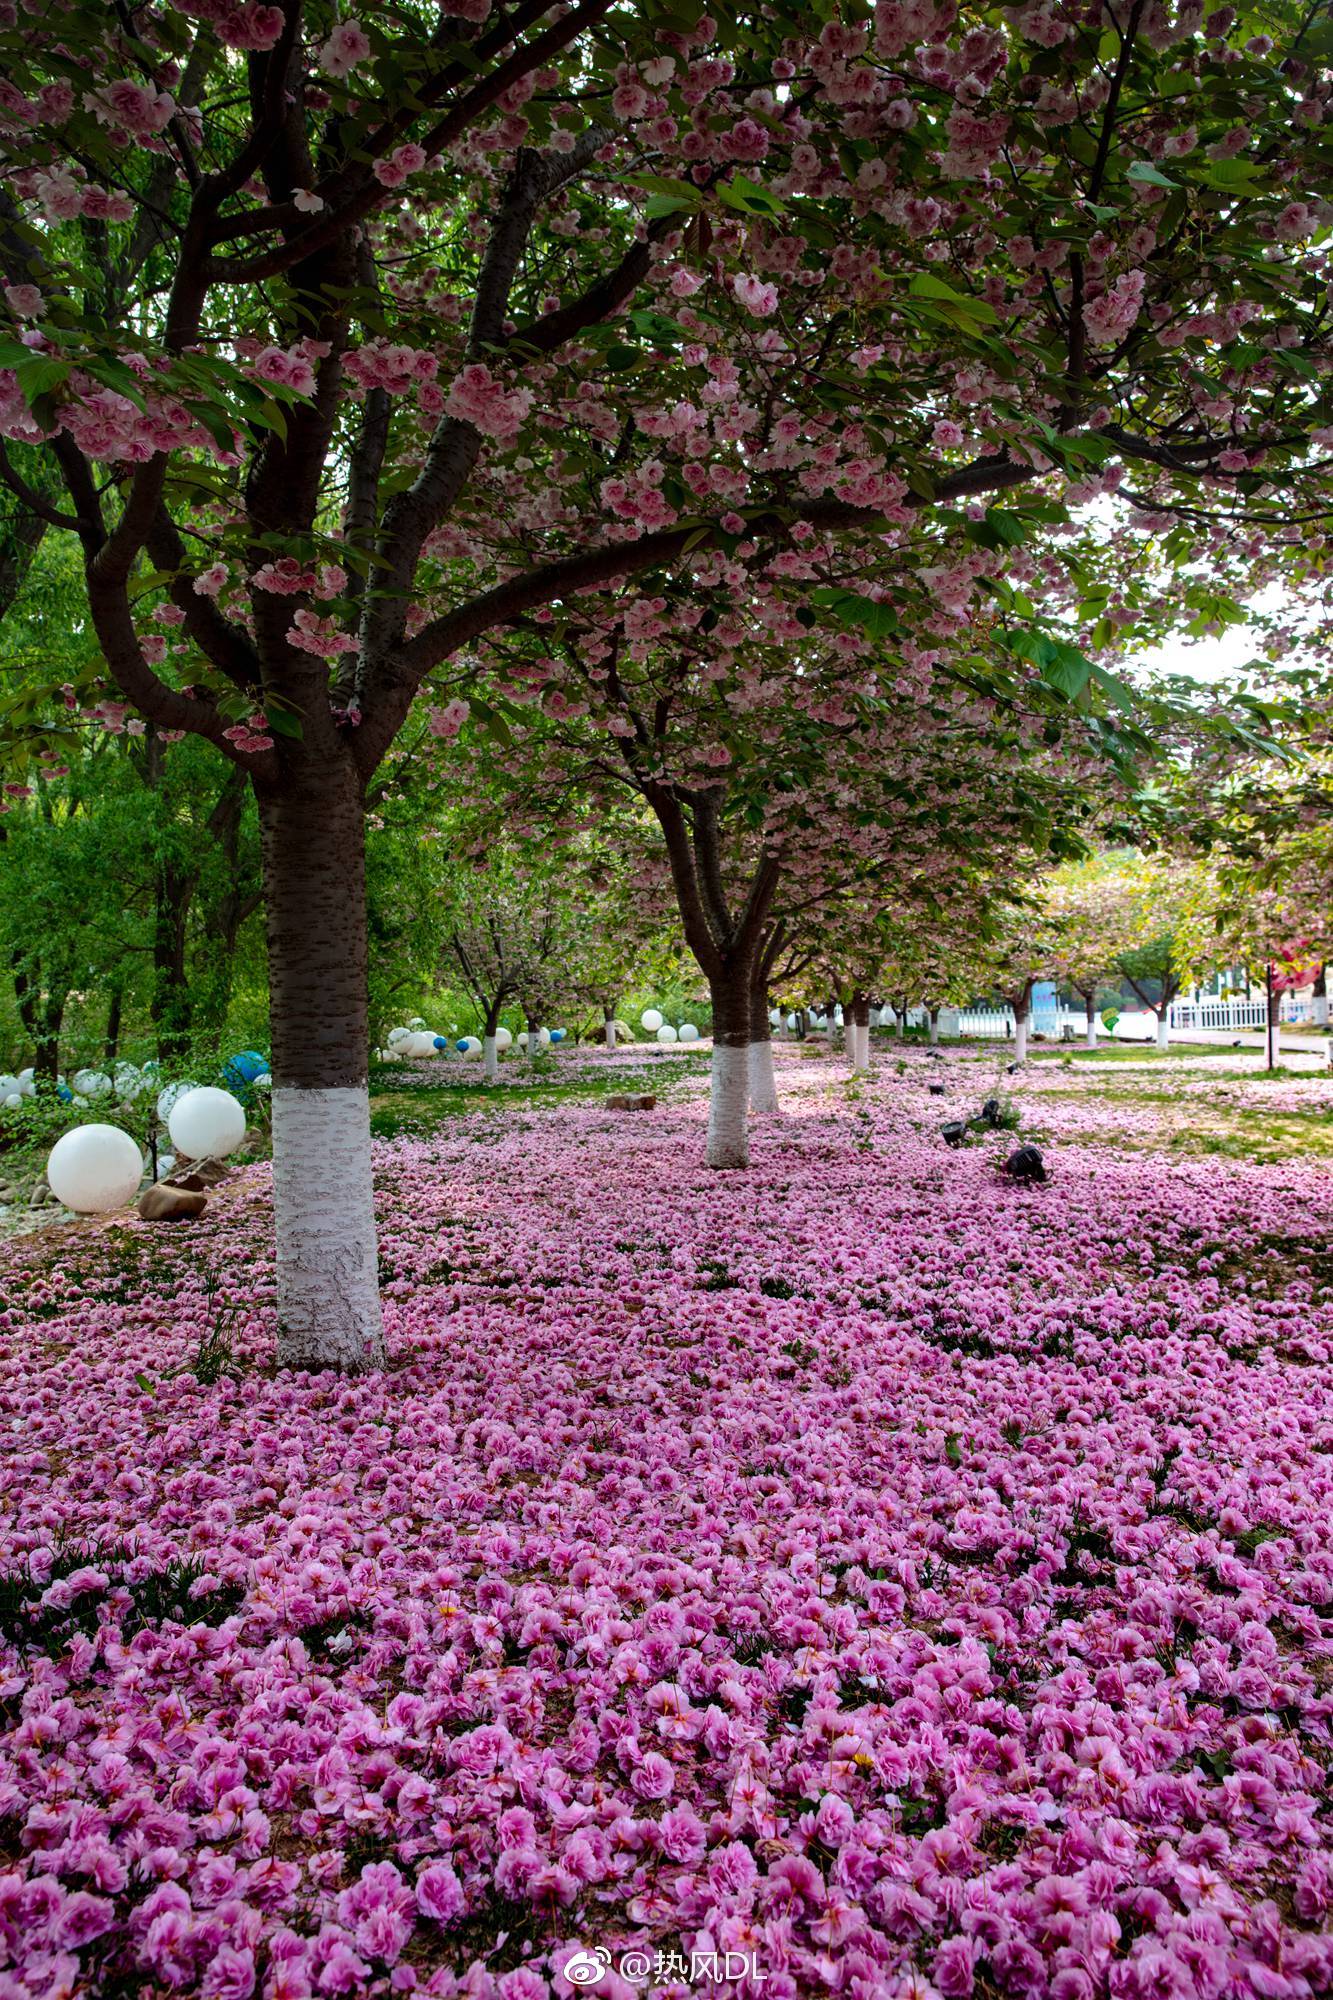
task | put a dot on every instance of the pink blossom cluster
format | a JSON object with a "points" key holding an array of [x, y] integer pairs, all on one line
{"points": [[919, 1584]]}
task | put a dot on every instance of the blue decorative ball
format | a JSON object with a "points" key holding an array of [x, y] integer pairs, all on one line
{"points": [[557, 1034], [441, 1042], [242, 1069]]}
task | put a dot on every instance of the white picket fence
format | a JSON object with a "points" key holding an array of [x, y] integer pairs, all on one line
{"points": [[1236, 1013]]}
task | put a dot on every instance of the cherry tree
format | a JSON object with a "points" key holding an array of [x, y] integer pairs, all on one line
{"points": [[350, 342]]}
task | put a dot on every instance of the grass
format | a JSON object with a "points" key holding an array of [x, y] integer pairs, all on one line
{"points": [[418, 1111]]}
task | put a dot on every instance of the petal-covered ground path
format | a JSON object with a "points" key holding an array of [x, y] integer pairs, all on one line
{"points": [[900, 1580]]}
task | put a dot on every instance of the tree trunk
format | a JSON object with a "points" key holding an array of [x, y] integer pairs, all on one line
{"points": [[933, 1016], [857, 1031], [41, 1014], [115, 1006], [323, 1192], [609, 1029], [490, 1047], [172, 1006], [1021, 1018], [1164, 1026], [763, 1081], [729, 1085], [1090, 1002], [1319, 998]]}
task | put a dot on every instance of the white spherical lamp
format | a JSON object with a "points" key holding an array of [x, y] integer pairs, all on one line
{"points": [[503, 1040], [169, 1098], [94, 1168], [523, 1039], [688, 1032], [11, 1098], [92, 1083], [416, 1022], [28, 1082], [9, 1085], [544, 1038], [475, 1049], [397, 1035], [651, 1019], [666, 1034], [207, 1123]]}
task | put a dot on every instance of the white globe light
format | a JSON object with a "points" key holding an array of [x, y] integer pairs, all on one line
{"points": [[94, 1168], [523, 1039], [166, 1164], [416, 1022], [666, 1033], [170, 1097], [474, 1049], [774, 1018], [544, 1038], [791, 1020], [688, 1032], [420, 1045], [651, 1019], [11, 1097], [503, 1040], [264, 1082], [27, 1082], [92, 1083], [8, 1085], [397, 1035], [207, 1123]]}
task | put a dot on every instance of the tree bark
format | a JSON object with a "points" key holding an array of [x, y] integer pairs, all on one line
{"points": [[729, 1088], [115, 1006], [762, 1080], [609, 1028], [856, 1031], [1090, 1003], [323, 1193], [1319, 998]]}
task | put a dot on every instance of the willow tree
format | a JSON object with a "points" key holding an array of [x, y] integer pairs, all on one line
{"points": [[352, 341]]}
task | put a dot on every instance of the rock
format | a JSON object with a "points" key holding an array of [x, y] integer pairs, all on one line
{"points": [[1025, 1164], [166, 1203], [198, 1173], [625, 1100], [955, 1132], [39, 1194]]}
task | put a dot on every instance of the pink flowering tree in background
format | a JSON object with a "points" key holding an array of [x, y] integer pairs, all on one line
{"points": [[787, 769], [353, 341]]}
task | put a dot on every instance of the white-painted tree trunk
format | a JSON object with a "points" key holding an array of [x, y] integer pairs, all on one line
{"points": [[1091, 1036], [934, 1036], [324, 1207], [611, 1034], [1319, 1006], [1164, 1029], [763, 1081], [1021, 1036], [728, 1097], [490, 1052], [858, 1038]]}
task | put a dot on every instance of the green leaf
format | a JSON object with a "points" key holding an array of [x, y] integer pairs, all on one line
{"points": [[876, 619], [747, 197], [1144, 171], [925, 285]]}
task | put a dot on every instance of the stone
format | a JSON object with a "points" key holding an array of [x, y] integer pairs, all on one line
{"points": [[1025, 1164], [166, 1202], [955, 1132], [39, 1194], [626, 1100]]}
